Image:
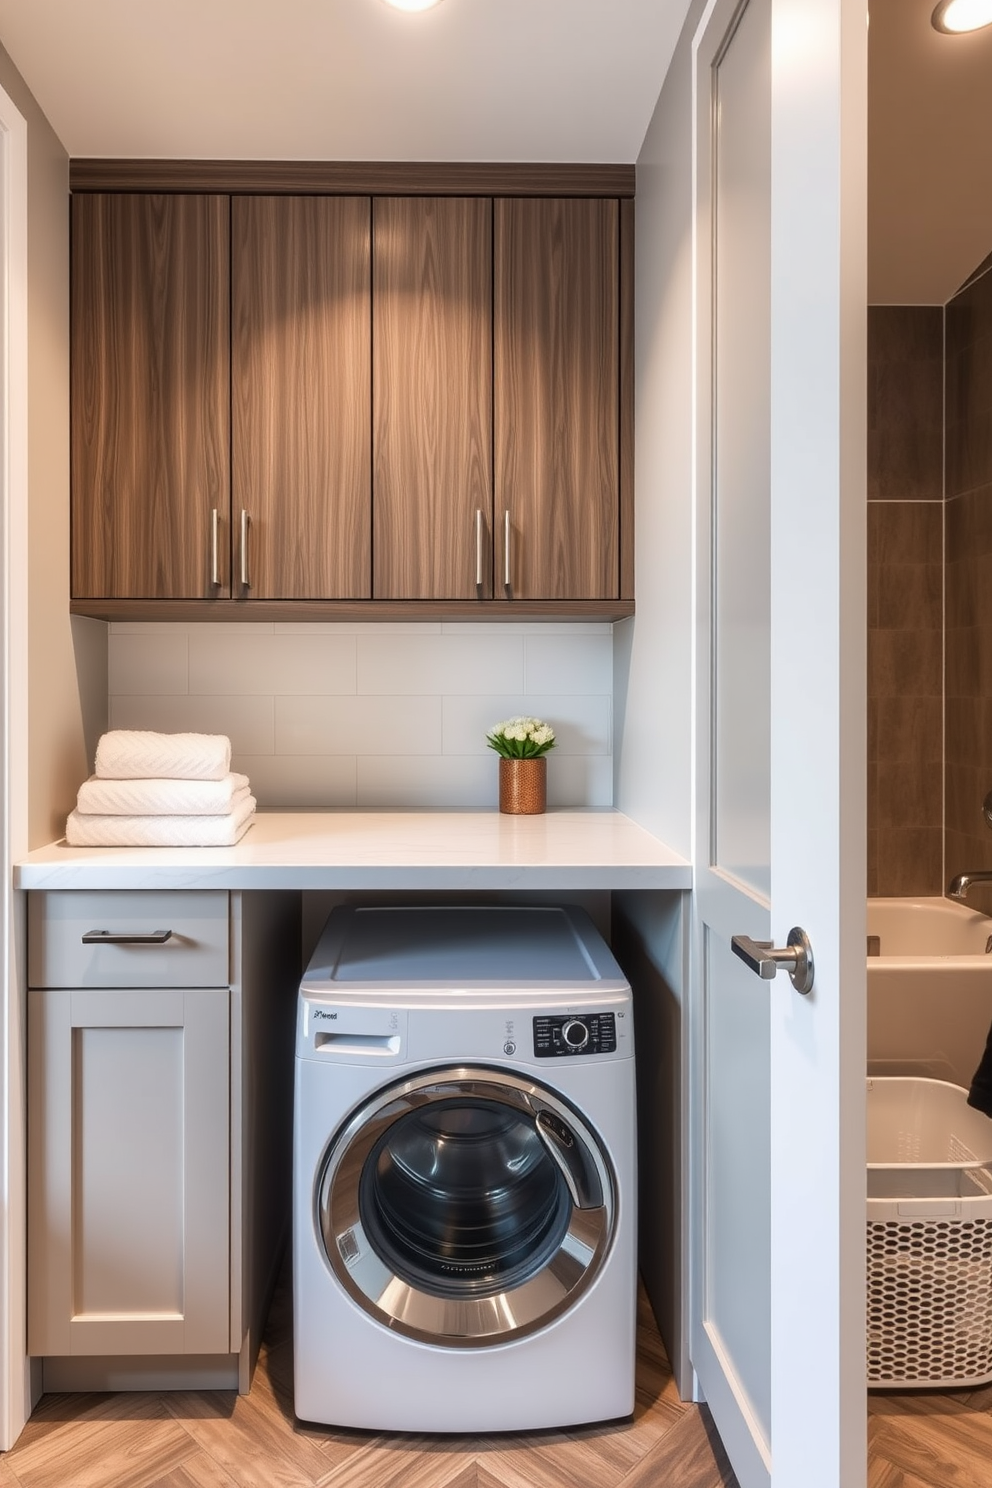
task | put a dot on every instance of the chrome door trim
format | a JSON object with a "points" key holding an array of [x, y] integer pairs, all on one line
{"points": [[464, 1322]]}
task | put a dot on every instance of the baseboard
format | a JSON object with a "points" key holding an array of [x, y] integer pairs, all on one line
{"points": [[161, 1372]]}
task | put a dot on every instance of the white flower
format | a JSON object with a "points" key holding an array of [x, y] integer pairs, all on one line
{"points": [[521, 738]]}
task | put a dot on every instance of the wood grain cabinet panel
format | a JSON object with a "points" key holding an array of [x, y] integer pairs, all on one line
{"points": [[332, 405], [300, 396], [150, 393], [432, 403], [556, 396]]}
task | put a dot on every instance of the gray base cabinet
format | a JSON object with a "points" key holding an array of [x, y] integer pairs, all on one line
{"points": [[159, 1130]]}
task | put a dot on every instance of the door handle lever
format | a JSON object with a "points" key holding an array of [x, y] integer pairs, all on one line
{"points": [[764, 958]]}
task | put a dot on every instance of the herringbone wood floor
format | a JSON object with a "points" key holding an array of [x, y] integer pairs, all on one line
{"points": [[220, 1440], [931, 1439]]}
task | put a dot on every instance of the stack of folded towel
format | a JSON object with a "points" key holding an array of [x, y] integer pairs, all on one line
{"points": [[161, 790]]}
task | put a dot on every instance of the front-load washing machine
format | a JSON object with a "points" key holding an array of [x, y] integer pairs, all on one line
{"points": [[464, 1173]]}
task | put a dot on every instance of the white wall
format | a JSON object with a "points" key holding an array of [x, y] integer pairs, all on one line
{"points": [[653, 657], [374, 715], [55, 714], [653, 669], [44, 785]]}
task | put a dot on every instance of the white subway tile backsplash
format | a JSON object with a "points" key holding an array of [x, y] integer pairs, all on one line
{"points": [[300, 781], [440, 664], [142, 627], [274, 664], [528, 627], [248, 722], [358, 725], [581, 724], [190, 627], [370, 715], [428, 781], [568, 664], [580, 780], [361, 627], [251, 628], [142, 663]]}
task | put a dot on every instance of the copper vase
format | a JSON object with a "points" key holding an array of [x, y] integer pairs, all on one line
{"points": [[523, 786]]}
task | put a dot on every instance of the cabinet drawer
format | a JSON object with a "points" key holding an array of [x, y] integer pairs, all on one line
{"points": [[196, 953]]}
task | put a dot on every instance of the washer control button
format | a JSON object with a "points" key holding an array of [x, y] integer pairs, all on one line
{"points": [[567, 1035], [509, 1047], [575, 1033]]}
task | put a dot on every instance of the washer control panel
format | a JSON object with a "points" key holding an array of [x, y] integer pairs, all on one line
{"points": [[575, 1033]]}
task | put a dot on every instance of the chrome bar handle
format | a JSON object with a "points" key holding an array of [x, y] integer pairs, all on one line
{"points": [[566, 1153], [214, 547], [124, 937], [764, 958], [244, 549], [478, 548], [506, 549]]}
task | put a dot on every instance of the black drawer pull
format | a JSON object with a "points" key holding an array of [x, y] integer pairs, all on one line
{"points": [[113, 937]]}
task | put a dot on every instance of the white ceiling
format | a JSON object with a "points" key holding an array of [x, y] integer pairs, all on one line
{"points": [[929, 155], [496, 80]]}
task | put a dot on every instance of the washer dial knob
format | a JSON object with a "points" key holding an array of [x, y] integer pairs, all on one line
{"points": [[575, 1033]]}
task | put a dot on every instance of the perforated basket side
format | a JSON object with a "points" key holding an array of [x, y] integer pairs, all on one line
{"points": [[930, 1298]]}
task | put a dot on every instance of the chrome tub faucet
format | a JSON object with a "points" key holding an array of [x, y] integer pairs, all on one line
{"points": [[960, 885]]}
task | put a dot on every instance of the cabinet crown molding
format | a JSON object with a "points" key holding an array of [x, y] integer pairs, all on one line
{"points": [[358, 177]]}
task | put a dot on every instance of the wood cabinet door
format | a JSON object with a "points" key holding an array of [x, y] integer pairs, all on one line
{"points": [[556, 397], [432, 399], [150, 395], [300, 397], [129, 1185]]}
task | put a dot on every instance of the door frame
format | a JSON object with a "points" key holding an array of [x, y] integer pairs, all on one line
{"points": [[15, 1402], [717, 892], [818, 259]]}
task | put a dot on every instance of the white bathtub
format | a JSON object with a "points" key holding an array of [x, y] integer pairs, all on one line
{"points": [[929, 989]]}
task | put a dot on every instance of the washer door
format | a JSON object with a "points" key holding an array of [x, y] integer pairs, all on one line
{"points": [[465, 1207]]}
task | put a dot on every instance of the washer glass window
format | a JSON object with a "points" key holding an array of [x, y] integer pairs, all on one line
{"points": [[465, 1206], [464, 1197]]}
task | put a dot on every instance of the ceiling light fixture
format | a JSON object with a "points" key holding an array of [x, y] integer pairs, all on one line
{"points": [[412, 4], [956, 16]]}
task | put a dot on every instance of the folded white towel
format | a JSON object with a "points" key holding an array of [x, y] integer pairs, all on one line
{"points": [[160, 831], [139, 754], [161, 797]]}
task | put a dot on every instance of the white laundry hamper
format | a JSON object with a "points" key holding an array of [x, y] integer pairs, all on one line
{"points": [[929, 1236]]}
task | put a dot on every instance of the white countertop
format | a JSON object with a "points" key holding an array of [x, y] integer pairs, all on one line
{"points": [[589, 849]]}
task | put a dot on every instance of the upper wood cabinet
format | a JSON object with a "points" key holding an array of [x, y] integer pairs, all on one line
{"points": [[150, 392], [300, 397], [432, 400], [556, 397], [370, 404]]}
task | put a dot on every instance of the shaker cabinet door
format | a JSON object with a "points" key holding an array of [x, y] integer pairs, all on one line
{"points": [[150, 353], [556, 397], [432, 398], [128, 1182], [300, 397]]}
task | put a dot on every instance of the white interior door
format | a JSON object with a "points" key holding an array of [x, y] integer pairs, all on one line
{"points": [[777, 1128]]}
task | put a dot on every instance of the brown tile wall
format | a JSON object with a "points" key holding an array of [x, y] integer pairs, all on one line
{"points": [[905, 599], [968, 744]]}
